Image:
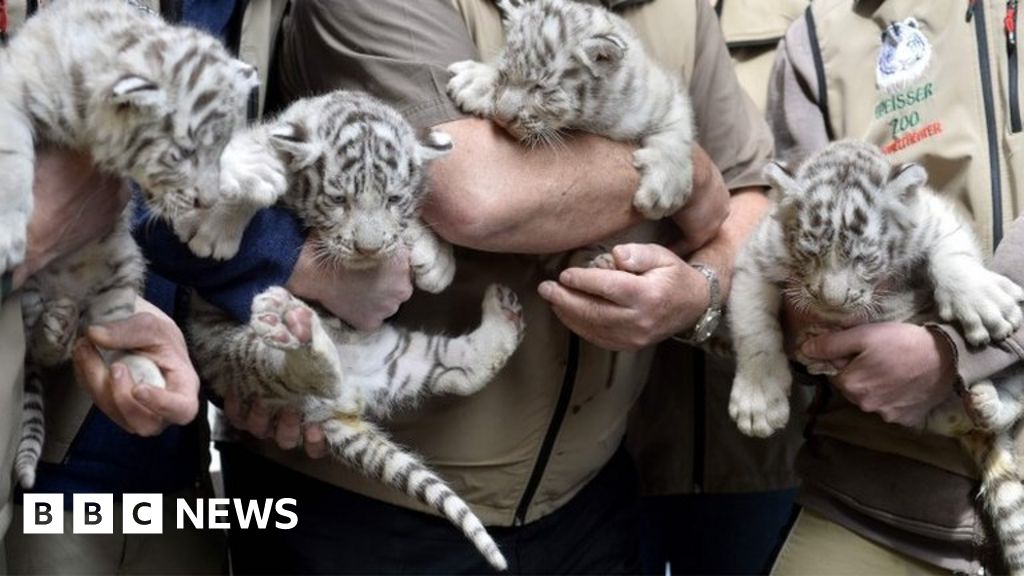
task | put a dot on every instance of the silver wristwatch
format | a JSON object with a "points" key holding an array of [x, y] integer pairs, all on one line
{"points": [[709, 321]]}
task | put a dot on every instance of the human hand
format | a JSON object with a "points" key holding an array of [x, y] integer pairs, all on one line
{"points": [[650, 296], [701, 217], [139, 408], [899, 371], [284, 425], [74, 203], [363, 298]]}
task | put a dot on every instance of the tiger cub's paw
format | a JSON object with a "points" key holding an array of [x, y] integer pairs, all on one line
{"points": [[986, 304], [143, 370], [433, 265], [13, 239], [759, 400], [986, 408], [219, 239], [503, 316], [664, 186], [282, 320], [472, 87], [54, 333]]}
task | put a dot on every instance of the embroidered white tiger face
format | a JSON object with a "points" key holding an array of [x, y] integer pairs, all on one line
{"points": [[359, 169], [847, 221], [557, 52], [904, 55]]}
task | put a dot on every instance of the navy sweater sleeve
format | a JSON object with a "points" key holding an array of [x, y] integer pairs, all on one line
{"points": [[272, 241], [267, 256]]}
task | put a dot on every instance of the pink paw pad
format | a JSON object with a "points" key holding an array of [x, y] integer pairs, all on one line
{"points": [[281, 319], [510, 307], [299, 322]]}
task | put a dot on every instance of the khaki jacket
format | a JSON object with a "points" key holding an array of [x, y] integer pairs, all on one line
{"points": [[752, 30], [12, 361], [526, 444], [680, 435], [955, 118]]}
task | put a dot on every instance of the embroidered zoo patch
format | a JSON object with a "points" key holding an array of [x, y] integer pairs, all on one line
{"points": [[904, 56]]}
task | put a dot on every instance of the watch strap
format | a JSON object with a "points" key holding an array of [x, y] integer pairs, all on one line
{"points": [[711, 317]]}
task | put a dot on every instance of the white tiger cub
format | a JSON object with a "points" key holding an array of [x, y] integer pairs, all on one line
{"points": [[854, 240], [571, 66], [149, 101], [352, 171]]}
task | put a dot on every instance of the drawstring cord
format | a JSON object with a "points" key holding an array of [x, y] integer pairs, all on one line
{"points": [[3, 21], [1010, 22]]}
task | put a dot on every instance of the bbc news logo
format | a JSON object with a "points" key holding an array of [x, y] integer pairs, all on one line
{"points": [[144, 514]]}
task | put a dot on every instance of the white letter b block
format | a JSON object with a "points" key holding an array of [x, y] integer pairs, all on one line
{"points": [[43, 514], [93, 514]]}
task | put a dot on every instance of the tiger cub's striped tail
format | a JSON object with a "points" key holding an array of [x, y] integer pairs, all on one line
{"points": [[30, 446], [372, 452], [1002, 491]]}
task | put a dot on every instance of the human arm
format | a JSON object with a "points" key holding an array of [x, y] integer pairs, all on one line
{"points": [[493, 194], [665, 295], [899, 371], [902, 371], [653, 294], [275, 252], [74, 204]]}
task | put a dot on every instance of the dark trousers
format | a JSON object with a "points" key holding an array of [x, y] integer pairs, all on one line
{"points": [[715, 533], [340, 532]]}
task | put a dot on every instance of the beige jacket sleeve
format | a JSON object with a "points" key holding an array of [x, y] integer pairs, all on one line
{"points": [[395, 49], [729, 126], [795, 118], [978, 363]]}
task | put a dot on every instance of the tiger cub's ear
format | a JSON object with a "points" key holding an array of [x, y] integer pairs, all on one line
{"points": [[247, 76], [601, 54], [433, 145], [778, 175], [293, 142], [905, 180], [137, 92], [784, 183]]}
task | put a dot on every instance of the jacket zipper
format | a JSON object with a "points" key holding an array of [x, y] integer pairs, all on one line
{"points": [[568, 384], [978, 12], [1010, 25]]}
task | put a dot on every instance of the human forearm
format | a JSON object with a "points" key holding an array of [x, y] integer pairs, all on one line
{"points": [[493, 194], [746, 208], [74, 204]]}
